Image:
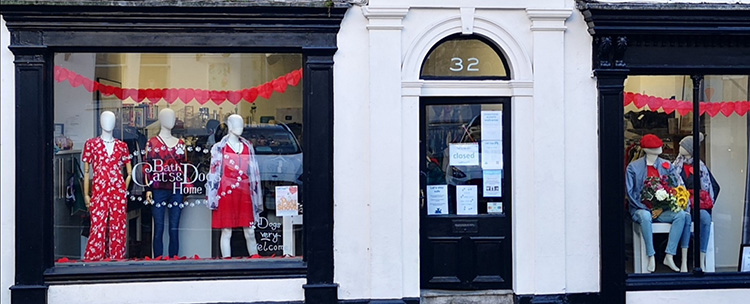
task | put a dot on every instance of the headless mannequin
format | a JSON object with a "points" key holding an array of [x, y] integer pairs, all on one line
{"points": [[167, 119], [651, 156], [688, 156], [107, 122], [235, 123]]}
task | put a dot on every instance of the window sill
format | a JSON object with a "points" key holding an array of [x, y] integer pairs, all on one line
{"points": [[684, 281], [174, 271]]}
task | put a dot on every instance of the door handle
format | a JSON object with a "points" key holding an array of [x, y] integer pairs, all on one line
{"points": [[421, 198]]}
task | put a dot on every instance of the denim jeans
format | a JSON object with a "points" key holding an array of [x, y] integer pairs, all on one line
{"points": [[678, 233], [705, 229], [158, 211]]}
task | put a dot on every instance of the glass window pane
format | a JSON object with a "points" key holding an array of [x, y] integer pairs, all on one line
{"points": [[209, 146], [464, 169], [662, 106], [464, 58]]}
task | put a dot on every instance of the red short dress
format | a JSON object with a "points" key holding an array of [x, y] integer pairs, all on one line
{"points": [[235, 204]]}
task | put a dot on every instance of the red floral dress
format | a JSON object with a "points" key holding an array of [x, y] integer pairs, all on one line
{"points": [[235, 205], [108, 200]]}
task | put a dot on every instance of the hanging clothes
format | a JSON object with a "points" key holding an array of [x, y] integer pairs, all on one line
{"points": [[108, 206]]}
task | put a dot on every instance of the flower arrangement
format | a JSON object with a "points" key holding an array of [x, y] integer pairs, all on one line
{"points": [[662, 193], [706, 202]]}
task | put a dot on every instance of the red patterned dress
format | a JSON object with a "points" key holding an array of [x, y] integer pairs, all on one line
{"points": [[235, 205], [108, 200]]}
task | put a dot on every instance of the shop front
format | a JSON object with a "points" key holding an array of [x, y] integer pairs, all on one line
{"points": [[168, 153]]}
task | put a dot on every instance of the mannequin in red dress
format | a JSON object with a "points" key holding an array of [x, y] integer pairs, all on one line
{"points": [[234, 184], [107, 201]]}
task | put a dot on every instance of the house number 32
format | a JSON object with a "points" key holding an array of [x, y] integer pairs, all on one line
{"points": [[457, 64]]}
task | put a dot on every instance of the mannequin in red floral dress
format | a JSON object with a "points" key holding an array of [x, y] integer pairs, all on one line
{"points": [[107, 202], [233, 185]]}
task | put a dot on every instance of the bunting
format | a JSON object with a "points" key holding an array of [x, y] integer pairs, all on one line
{"points": [[725, 108], [186, 95]]}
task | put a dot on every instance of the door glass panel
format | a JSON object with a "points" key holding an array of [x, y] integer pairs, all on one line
{"points": [[464, 159]]}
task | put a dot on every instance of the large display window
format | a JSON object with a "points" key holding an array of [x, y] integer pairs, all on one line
{"points": [[177, 156]]}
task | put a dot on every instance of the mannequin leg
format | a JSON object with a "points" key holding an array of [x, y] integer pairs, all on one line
{"points": [[157, 213], [643, 218], [675, 234], [683, 262], [252, 247], [174, 225], [225, 242], [705, 229], [703, 261]]}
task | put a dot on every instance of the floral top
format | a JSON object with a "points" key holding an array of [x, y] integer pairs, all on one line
{"points": [[164, 168], [107, 167]]}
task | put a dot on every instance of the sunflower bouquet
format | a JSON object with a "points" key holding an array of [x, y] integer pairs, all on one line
{"points": [[660, 193]]}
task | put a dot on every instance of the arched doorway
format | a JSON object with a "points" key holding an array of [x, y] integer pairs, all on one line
{"points": [[465, 208]]}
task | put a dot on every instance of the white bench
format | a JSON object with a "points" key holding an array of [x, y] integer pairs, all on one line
{"points": [[640, 258]]}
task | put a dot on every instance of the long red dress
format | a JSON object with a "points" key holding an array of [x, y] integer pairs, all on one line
{"points": [[108, 200], [235, 205]]}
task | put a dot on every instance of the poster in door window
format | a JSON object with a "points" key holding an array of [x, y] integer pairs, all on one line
{"points": [[464, 154], [287, 203], [492, 125], [437, 199], [492, 183], [466, 200], [492, 155]]}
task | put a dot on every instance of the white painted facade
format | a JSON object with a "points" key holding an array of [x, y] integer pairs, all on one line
{"points": [[376, 147]]}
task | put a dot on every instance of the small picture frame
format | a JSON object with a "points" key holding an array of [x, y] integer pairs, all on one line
{"points": [[189, 112], [153, 112], [59, 129], [744, 265]]}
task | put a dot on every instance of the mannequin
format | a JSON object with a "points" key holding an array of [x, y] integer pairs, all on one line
{"points": [[166, 154], [234, 187], [641, 213], [684, 167], [107, 202]]}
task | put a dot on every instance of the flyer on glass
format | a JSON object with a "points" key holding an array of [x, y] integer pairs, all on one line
{"points": [[492, 125], [466, 200], [492, 154], [287, 203], [466, 154], [437, 199], [492, 182]]}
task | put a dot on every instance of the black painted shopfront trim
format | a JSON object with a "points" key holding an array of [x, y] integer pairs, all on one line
{"points": [[653, 39], [570, 298], [39, 31]]}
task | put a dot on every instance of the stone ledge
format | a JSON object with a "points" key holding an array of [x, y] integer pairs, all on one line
{"points": [[184, 3]]}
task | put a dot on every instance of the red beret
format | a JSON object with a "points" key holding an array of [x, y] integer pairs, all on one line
{"points": [[651, 141]]}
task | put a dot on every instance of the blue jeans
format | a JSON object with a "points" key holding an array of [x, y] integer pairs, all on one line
{"points": [[705, 229], [679, 232], [158, 211]]}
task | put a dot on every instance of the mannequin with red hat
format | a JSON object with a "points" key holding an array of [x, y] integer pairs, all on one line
{"points": [[652, 165]]}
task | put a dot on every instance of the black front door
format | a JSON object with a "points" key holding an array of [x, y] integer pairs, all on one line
{"points": [[465, 193]]}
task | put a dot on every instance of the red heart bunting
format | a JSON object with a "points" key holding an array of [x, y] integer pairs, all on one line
{"points": [[250, 94], [640, 101], [684, 107], [186, 95], [655, 103], [279, 85], [154, 95], [727, 108], [170, 95], [88, 84], [130, 93], [627, 98], [119, 93], [703, 106], [265, 90], [741, 108], [713, 108], [201, 96], [669, 106], [234, 96], [218, 97]]}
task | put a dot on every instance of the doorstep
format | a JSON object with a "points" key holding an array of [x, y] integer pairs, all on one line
{"points": [[495, 296]]}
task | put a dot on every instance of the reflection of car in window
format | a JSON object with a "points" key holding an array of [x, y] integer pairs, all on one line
{"points": [[277, 152]]}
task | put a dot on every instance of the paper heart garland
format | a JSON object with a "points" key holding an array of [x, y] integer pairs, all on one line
{"points": [[713, 108], [170, 95], [654, 103], [741, 108], [669, 106], [727, 108], [186, 95], [640, 101], [684, 108], [627, 98]]}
